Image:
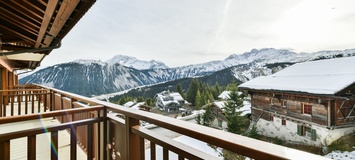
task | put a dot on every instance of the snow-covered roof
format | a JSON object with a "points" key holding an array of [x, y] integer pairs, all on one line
{"points": [[167, 97], [177, 96], [316, 77], [128, 104], [246, 106], [136, 106], [224, 95]]}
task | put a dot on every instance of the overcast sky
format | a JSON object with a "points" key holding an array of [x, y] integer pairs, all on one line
{"points": [[182, 32]]}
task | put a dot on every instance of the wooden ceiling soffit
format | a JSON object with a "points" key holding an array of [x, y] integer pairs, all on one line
{"points": [[25, 37], [24, 11], [65, 10], [45, 22]]}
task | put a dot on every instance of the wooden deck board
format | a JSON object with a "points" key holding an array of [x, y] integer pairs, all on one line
{"points": [[18, 147]]}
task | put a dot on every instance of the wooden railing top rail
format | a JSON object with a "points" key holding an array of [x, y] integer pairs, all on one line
{"points": [[239, 144], [39, 130], [12, 119], [22, 90]]}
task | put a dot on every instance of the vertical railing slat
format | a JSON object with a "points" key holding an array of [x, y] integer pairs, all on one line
{"points": [[152, 151], [19, 104], [90, 152], [32, 103], [54, 145], [142, 148], [12, 105], [45, 101], [5, 150], [165, 153], [39, 102], [26, 103], [31, 147], [73, 143], [1, 104], [181, 157]]}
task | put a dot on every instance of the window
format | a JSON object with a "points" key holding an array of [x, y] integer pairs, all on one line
{"points": [[283, 121], [271, 118], [284, 103], [307, 132], [306, 109]]}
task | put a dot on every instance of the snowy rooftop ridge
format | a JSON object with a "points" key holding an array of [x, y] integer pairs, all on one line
{"points": [[317, 77]]}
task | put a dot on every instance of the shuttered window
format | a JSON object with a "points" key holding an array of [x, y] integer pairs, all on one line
{"points": [[307, 109]]}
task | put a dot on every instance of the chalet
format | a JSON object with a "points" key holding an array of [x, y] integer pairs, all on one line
{"points": [[311, 102], [169, 101]]}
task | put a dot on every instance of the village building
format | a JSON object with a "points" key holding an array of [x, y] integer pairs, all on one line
{"points": [[311, 102], [169, 101]]}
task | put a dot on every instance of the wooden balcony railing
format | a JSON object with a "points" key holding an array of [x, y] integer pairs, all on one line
{"points": [[109, 131]]}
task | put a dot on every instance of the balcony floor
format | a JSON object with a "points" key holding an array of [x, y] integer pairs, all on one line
{"points": [[18, 146]]}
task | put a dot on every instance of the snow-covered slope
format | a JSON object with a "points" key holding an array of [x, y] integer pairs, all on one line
{"points": [[136, 63]]}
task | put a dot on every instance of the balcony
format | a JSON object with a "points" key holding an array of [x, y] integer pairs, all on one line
{"points": [[102, 130]]}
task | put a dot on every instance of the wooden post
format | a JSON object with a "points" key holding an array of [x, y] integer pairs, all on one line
{"points": [[5, 150], [1, 104], [90, 152], [31, 147], [142, 148], [54, 145], [73, 142], [133, 140], [152, 151]]}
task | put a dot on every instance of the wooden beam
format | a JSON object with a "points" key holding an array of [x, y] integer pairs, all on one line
{"points": [[22, 11], [35, 13], [66, 9], [21, 19], [25, 37], [45, 22], [33, 5]]}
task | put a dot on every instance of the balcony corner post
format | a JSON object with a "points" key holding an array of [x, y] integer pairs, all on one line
{"points": [[132, 140]]}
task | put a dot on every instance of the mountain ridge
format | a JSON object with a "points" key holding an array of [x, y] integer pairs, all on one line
{"points": [[95, 77]]}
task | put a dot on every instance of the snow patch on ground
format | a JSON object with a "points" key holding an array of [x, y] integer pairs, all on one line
{"points": [[338, 155]]}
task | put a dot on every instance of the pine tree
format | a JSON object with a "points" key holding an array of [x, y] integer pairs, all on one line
{"points": [[198, 119], [236, 122], [179, 89], [198, 100], [207, 117], [192, 91]]}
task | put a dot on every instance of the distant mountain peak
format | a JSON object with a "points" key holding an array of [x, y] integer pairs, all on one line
{"points": [[88, 61], [133, 62]]}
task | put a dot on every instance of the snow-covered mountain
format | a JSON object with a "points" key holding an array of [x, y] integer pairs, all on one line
{"points": [[136, 63], [93, 77]]}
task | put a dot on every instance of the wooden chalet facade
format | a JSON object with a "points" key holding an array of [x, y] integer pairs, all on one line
{"points": [[311, 102]]}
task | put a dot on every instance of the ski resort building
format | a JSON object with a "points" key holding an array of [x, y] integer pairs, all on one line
{"points": [[169, 101], [39, 122], [311, 102]]}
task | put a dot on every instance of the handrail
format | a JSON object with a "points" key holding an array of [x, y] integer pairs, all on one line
{"points": [[239, 144], [40, 130], [12, 119], [187, 151]]}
